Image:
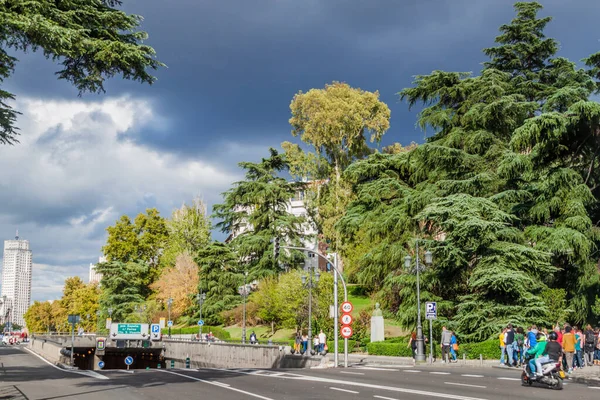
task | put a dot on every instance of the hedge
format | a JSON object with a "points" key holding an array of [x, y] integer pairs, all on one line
{"points": [[217, 331], [351, 345], [399, 348]]}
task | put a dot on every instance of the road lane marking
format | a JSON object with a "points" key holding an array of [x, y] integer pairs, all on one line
{"points": [[411, 370], [464, 384], [352, 373], [472, 376], [440, 373], [343, 390], [509, 379], [218, 384], [592, 387], [91, 374], [378, 369]]}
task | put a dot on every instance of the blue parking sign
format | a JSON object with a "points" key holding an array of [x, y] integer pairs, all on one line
{"points": [[431, 310]]}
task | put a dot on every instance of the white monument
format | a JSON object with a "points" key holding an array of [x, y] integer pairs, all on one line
{"points": [[377, 331]]}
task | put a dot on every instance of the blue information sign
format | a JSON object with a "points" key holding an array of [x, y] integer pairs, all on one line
{"points": [[431, 310], [100, 364], [201, 322], [155, 328], [128, 360]]}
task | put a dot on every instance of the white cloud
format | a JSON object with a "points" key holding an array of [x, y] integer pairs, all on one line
{"points": [[75, 172]]}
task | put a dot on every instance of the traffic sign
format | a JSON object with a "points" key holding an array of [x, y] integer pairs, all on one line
{"points": [[346, 331], [347, 307], [169, 323], [431, 310], [129, 331], [100, 364], [155, 332], [100, 344], [201, 322], [128, 360], [346, 319]]}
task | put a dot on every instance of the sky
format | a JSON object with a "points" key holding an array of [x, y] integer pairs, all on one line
{"points": [[233, 69]]}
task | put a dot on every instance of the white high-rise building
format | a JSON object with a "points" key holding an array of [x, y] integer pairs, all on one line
{"points": [[16, 280], [94, 276]]}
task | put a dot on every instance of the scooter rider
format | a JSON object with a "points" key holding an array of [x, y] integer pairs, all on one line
{"points": [[553, 348], [538, 350]]}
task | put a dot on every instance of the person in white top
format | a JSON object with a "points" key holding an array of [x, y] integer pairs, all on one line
{"points": [[322, 341], [316, 343]]}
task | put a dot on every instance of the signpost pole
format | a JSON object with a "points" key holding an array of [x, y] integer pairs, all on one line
{"points": [[335, 315], [430, 342], [72, 340]]}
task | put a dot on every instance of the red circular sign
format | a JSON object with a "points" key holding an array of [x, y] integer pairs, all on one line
{"points": [[346, 319], [346, 331], [347, 307]]}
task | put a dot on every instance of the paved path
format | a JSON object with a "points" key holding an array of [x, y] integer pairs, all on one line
{"points": [[25, 376]]}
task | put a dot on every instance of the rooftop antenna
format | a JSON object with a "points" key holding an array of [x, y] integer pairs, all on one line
{"points": [[17, 235]]}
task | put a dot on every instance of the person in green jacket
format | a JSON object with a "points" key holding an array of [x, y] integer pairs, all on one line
{"points": [[537, 351]]}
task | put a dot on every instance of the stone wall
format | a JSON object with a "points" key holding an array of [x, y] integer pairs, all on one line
{"points": [[48, 349]]}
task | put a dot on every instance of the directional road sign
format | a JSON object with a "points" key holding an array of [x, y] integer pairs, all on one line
{"points": [[128, 360], [346, 319], [169, 323], [129, 331], [201, 322], [100, 364], [346, 331], [431, 310], [347, 307], [155, 332]]}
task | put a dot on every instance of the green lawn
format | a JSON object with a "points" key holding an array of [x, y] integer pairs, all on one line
{"points": [[262, 332]]}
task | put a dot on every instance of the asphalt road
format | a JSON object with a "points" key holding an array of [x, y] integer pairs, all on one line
{"points": [[25, 376]]}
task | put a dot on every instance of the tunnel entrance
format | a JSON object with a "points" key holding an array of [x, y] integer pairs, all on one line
{"points": [[83, 358], [142, 358]]}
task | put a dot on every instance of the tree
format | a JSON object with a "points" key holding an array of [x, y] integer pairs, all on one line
{"points": [[92, 39], [124, 285], [38, 317], [143, 240], [188, 231], [256, 211], [179, 283], [335, 120], [502, 192]]}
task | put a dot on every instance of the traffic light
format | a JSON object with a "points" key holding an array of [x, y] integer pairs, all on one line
{"points": [[276, 248]]}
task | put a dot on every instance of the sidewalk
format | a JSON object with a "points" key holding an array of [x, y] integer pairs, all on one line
{"points": [[363, 359], [587, 375]]}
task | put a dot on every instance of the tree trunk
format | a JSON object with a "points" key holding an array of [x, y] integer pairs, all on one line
{"points": [[272, 328]]}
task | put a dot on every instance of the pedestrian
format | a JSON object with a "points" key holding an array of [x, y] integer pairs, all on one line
{"points": [[509, 339], [568, 344], [412, 343], [253, 338], [531, 337], [519, 346], [298, 343], [445, 344], [304, 343], [322, 341], [453, 347], [316, 344], [578, 360], [502, 346], [589, 345]]}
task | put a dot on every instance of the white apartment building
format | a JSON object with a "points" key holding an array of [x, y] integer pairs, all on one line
{"points": [[94, 276], [16, 280]]}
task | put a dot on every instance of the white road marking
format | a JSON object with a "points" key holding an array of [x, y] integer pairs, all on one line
{"points": [[343, 390], [377, 369], [592, 387], [351, 373], [464, 384], [384, 398], [219, 384], [472, 376], [91, 374], [440, 373], [371, 386], [509, 379], [411, 370]]}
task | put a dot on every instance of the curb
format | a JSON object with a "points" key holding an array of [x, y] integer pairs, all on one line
{"points": [[585, 380]]}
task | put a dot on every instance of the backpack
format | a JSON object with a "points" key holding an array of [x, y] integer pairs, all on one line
{"points": [[589, 338], [520, 341]]}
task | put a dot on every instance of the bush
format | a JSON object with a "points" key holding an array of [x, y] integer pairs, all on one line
{"points": [[217, 331], [357, 290], [389, 349], [352, 345], [489, 349]]}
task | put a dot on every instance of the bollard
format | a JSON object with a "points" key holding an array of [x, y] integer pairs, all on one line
{"points": [[172, 364], [481, 359], [187, 362], [158, 366], [464, 358]]}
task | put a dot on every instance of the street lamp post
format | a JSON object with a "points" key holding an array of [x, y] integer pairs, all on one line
{"points": [[169, 302], [420, 356], [307, 281], [244, 293], [110, 311], [200, 297]]}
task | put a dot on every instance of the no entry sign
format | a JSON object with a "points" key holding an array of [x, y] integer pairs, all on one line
{"points": [[346, 331], [347, 307]]}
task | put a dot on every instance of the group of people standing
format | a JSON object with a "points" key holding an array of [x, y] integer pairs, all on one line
{"points": [[319, 343], [578, 348], [448, 344]]}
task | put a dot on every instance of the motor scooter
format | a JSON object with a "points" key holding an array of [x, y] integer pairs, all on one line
{"points": [[552, 376]]}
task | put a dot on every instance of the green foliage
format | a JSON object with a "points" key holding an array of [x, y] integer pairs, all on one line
{"points": [[489, 349], [255, 212], [217, 331], [389, 349], [92, 39]]}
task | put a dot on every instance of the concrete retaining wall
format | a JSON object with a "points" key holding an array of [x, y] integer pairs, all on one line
{"points": [[48, 349], [226, 355]]}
